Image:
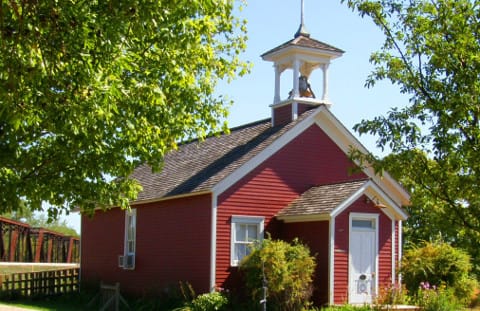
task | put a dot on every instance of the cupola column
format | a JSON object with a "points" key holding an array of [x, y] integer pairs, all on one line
{"points": [[276, 98], [325, 82], [296, 75]]}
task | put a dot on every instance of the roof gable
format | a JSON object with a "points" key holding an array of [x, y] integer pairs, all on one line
{"points": [[322, 199], [304, 42], [327, 201]]}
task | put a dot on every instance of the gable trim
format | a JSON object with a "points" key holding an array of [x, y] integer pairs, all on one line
{"points": [[349, 201], [371, 190]]}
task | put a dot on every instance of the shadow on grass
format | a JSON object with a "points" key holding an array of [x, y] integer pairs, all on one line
{"points": [[67, 302]]}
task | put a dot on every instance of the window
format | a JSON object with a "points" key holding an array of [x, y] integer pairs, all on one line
{"points": [[245, 230], [363, 224], [127, 260], [130, 231]]}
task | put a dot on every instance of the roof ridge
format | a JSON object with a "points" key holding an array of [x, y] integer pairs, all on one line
{"points": [[344, 182], [250, 124], [221, 133]]}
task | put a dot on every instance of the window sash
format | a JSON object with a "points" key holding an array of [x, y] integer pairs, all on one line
{"points": [[130, 231]]}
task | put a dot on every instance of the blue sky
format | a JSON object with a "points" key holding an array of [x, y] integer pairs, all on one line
{"points": [[273, 22]]}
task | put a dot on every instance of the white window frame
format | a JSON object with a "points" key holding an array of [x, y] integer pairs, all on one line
{"points": [[130, 218], [244, 220]]}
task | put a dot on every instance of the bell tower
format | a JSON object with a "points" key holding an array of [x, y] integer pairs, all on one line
{"points": [[302, 55]]}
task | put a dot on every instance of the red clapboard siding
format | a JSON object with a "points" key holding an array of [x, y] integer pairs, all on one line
{"points": [[397, 250], [304, 107], [341, 249], [282, 115], [341, 271], [315, 235], [385, 251], [102, 242], [312, 158], [173, 244]]}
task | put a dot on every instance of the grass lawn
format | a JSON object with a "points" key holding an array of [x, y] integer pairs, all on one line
{"points": [[68, 302]]}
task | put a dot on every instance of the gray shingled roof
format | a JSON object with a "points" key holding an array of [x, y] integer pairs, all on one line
{"points": [[307, 42], [322, 199], [198, 166]]}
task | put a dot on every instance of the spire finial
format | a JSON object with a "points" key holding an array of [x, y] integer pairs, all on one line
{"points": [[302, 30]]}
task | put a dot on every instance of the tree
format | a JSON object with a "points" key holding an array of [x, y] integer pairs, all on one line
{"points": [[432, 52], [91, 89]]}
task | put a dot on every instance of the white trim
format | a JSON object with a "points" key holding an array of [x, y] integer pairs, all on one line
{"points": [[294, 111], [331, 259], [363, 216], [246, 168], [213, 244], [256, 220]]}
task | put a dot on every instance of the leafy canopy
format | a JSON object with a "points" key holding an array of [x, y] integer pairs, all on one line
{"points": [[432, 52], [91, 89]]}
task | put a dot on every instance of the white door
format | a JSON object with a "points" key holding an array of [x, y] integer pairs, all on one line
{"points": [[363, 249]]}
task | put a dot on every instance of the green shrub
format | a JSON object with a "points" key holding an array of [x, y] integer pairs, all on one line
{"points": [[213, 301], [439, 264], [288, 269], [209, 302], [436, 299]]}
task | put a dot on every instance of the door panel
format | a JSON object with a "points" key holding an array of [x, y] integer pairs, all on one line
{"points": [[362, 265]]}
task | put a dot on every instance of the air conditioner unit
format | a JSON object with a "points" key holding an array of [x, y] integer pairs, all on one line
{"points": [[121, 261], [126, 261]]}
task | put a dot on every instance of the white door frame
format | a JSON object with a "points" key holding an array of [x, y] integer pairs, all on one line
{"points": [[351, 281]]}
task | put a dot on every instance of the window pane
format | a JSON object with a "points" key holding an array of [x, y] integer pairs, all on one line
{"points": [[240, 232], [364, 224], [240, 251], [131, 247], [252, 233]]}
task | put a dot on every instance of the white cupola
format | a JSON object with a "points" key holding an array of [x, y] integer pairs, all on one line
{"points": [[302, 55]]}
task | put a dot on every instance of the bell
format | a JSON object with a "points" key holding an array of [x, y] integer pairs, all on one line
{"points": [[304, 87]]}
